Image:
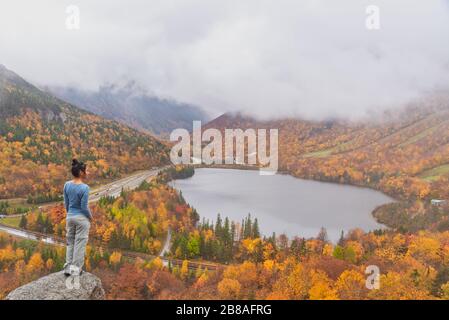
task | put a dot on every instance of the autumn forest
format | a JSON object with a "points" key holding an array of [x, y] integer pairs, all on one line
{"points": [[404, 154]]}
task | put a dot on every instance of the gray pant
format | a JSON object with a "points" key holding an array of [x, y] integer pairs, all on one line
{"points": [[77, 233]]}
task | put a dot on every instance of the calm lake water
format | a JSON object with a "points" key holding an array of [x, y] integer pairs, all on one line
{"points": [[281, 203]]}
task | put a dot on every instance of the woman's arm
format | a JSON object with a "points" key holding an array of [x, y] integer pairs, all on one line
{"points": [[85, 204], [66, 199]]}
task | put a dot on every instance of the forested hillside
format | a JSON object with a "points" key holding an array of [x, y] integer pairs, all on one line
{"points": [[40, 134], [412, 265]]}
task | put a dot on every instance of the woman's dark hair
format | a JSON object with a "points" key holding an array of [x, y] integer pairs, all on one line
{"points": [[77, 167]]}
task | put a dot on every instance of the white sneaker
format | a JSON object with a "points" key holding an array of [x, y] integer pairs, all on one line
{"points": [[75, 271]]}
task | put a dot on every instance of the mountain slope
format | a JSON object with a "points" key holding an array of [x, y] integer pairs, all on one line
{"points": [[40, 134], [134, 107], [394, 154]]}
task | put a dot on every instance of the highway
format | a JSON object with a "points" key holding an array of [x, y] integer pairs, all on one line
{"points": [[112, 189], [30, 235], [131, 182]]}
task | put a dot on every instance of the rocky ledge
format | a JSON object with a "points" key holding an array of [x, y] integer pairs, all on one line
{"points": [[57, 286]]}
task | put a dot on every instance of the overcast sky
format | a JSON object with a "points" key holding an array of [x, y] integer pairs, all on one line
{"points": [[308, 58]]}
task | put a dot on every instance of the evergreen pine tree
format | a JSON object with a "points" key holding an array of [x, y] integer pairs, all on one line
{"points": [[341, 241], [40, 222], [273, 239], [226, 232], [23, 222], [233, 231], [248, 231], [218, 227], [255, 229]]}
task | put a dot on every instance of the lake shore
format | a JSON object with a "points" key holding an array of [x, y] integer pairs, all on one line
{"points": [[294, 205]]}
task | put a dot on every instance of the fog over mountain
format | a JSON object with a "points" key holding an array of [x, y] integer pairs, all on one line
{"points": [[132, 105], [309, 58]]}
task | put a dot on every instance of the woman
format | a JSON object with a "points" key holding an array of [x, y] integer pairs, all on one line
{"points": [[76, 200]]}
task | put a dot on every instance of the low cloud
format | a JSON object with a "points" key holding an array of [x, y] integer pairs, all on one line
{"points": [[311, 58]]}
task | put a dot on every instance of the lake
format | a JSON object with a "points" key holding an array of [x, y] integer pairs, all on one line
{"points": [[281, 203]]}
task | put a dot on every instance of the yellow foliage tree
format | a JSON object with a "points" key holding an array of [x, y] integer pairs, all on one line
{"points": [[321, 287], [229, 289], [351, 285], [35, 264]]}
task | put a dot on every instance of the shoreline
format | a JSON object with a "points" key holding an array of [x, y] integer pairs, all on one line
{"points": [[286, 173]]}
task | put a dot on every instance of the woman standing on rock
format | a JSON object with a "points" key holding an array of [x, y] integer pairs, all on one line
{"points": [[76, 200]]}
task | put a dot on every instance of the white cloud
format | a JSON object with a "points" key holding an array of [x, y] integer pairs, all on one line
{"points": [[310, 58]]}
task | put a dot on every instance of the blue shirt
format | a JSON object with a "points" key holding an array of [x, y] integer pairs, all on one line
{"points": [[76, 199]]}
